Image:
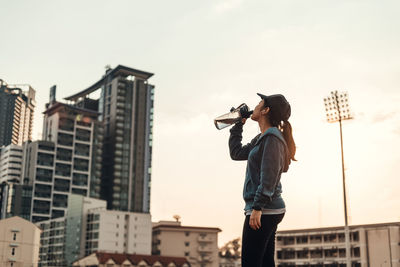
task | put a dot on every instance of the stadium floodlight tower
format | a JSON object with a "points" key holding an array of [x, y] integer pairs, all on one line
{"points": [[337, 109]]}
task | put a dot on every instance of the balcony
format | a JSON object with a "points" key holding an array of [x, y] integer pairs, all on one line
{"points": [[66, 124], [205, 249], [64, 154], [119, 119], [79, 179], [82, 135], [84, 124], [45, 159], [65, 139], [63, 170], [204, 259], [119, 132], [121, 85], [81, 165], [60, 201], [42, 191], [82, 150], [48, 146], [61, 185], [41, 207], [79, 191], [205, 239]]}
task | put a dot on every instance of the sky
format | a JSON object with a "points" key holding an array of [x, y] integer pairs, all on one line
{"points": [[208, 56]]}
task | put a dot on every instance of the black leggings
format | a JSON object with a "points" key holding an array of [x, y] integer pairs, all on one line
{"points": [[258, 246]]}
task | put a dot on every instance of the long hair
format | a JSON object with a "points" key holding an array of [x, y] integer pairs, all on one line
{"points": [[286, 128]]}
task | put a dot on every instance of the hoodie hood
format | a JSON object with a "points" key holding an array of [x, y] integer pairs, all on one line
{"points": [[277, 133]]}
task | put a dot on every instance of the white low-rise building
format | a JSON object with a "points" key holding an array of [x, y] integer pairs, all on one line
{"points": [[19, 243], [89, 227], [371, 245], [118, 232]]}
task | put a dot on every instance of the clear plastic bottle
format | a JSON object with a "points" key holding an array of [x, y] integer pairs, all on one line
{"points": [[235, 115]]}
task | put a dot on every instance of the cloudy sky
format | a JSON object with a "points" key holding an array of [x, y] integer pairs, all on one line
{"points": [[208, 56]]}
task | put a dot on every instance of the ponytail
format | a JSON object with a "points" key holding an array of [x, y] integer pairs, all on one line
{"points": [[286, 129]]}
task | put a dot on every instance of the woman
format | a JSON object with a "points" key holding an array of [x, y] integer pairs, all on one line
{"points": [[268, 155]]}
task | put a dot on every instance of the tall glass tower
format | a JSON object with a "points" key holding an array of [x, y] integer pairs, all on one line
{"points": [[126, 112], [17, 105]]}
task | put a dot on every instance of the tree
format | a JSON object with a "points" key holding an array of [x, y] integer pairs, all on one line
{"points": [[231, 249]]}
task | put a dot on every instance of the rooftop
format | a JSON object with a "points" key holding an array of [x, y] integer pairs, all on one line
{"points": [[338, 228], [103, 257], [178, 226], [120, 70]]}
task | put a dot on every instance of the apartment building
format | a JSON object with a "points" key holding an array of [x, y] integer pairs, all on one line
{"points": [[17, 105], [10, 163], [125, 109], [88, 227], [67, 161], [15, 200], [19, 243], [198, 244], [52, 242], [118, 232], [371, 245], [77, 135]]}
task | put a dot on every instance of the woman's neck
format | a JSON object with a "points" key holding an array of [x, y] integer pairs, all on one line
{"points": [[264, 125]]}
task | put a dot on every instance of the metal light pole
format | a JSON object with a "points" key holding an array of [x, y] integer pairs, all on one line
{"points": [[337, 109]]}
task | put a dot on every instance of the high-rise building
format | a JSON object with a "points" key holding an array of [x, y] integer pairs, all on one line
{"points": [[10, 163], [15, 197], [16, 113], [77, 135], [67, 162], [125, 105], [15, 200], [371, 245], [47, 192], [198, 244]]}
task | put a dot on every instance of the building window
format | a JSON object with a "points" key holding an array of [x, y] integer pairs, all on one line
{"points": [[15, 236], [187, 244], [187, 233], [186, 254], [13, 251]]}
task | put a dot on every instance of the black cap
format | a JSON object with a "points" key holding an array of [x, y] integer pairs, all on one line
{"points": [[279, 106]]}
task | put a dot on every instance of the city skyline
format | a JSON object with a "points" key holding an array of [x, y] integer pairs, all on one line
{"points": [[211, 56]]}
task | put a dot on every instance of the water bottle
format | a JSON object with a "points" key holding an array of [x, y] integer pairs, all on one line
{"points": [[235, 115]]}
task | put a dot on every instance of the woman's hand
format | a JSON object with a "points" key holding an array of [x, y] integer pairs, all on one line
{"points": [[244, 121], [255, 219]]}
